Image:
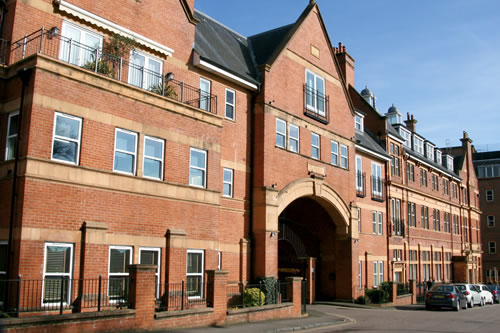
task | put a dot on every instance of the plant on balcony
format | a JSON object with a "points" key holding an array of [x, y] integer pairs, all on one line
{"points": [[118, 45], [165, 90], [102, 67]]}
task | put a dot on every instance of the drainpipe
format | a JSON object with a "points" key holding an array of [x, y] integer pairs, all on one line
{"points": [[251, 192], [3, 3], [25, 75]]}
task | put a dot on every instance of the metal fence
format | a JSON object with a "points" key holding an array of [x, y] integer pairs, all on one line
{"points": [[123, 69], [62, 293], [403, 288], [182, 296], [240, 296]]}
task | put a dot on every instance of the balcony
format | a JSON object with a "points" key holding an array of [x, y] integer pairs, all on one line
{"points": [[378, 189], [360, 184], [316, 105], [114, 67], [398, 227]]}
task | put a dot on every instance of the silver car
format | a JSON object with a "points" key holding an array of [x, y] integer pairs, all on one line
{"points": [[485, 293], [471, 294]]}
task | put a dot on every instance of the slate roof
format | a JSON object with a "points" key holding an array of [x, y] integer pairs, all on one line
{"points": [[266, 44], [456, 161], [237, 58], [487, 155], [367, 140]]}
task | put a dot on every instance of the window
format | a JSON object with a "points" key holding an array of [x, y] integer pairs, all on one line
{"points": [[435, 182], [374, 222], [316, 146], [490, 221], [488, 171], [315, 93], [360, 274], [446, 186], [412, 221], [429, 149], [424, 214], [454, 190], [418, 145], [423, 177], [194, 273], [144, 71], [397, 255], [439, 157], [344, 156], [410, 172], [151, 256], [120, 258], [57, 273], [456, 229], [227, 183], [436, 219], [205, 94], [358, 122], [80, 46], [446, 222], [377, 222], [197, 167], [380, 223], [381, 272], [359, 219], [489, 195], [12, 130], [334, 152], [125, 151], [359, 174], [153, 158], [293, 138], [375, 273], [449, 162], [395, 166], [230, 104], [66, 139], [406, 135], [466, 230], [397, 223], [376, 179], [492, 247], [219, 260], [280, 133]]}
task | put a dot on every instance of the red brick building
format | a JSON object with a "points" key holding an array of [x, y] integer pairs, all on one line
{"points": [[180, 143]]}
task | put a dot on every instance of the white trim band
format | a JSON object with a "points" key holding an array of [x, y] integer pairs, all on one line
{"points": [[87, 16], [374, 154], [211, 68]]}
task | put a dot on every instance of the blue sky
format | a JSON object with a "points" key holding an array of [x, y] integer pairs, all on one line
{"points": [[436, 59]]}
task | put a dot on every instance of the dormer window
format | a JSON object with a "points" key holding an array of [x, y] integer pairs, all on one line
{"points": [[429, 151], [449, 162], [406, 135], [418, 145], [439, 157], [359, 122]]}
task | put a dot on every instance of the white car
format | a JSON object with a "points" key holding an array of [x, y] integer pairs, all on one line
{"points": [[485, 293], [470, 292]]}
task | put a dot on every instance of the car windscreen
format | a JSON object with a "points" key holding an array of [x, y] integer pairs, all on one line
{"points": [[461, 287], [446, 289]]}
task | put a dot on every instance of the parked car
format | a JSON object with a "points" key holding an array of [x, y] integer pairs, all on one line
{"points": [[470, 292], [495, 290], [445, 295], [486, 295]]}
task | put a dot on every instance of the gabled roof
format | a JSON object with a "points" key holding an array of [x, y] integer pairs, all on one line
{"points": [[237, 57], [367, 140]]}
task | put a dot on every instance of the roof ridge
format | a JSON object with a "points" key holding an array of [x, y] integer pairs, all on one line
{"points": [[219, 23], [272, 30]]}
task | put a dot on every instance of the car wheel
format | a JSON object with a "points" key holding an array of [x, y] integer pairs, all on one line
{"points": [[471, 304], [465, 306], [481, 302]]}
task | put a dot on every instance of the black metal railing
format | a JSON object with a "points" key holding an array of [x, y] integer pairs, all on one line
{"points": [[316, 105], [361, 184], [59, 293], [398, 227], [182, 296], [119, 68], [403, 289], [378, 191], [4, 51], [241, 295]]}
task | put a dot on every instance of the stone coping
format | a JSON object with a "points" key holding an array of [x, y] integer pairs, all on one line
{"points": [[259, 308], [182, 313], [58, 319]]}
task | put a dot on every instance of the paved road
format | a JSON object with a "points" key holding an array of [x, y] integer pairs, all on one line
{"points": [[414, 319]]}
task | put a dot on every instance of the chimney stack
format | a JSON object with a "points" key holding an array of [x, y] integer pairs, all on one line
{"points": [[411, 123], [346, 63]]}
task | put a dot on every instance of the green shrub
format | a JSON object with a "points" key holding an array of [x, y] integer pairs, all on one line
{"points": [[254, 297], [377, 296], [362, 300], [270, 289], [164, 90]]}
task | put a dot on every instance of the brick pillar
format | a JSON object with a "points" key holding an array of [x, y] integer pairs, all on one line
{"points": [[244, 274], [311, 280], [295, 290], [217, 294], [413, 286], [176, 255], [142, 294], [394, 295]]}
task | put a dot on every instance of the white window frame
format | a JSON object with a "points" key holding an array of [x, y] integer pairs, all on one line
{"points": [[69, 274], [374, 222], [219, 260], [492, 247], [344, 159], [490, 195], [406, 136], [118, 247], [449, 163], [377, 178], [429, 151], [360, 274], [359, 173], [490, 221], [292, 138], [161, 160], [62, 138], [418, 145], [381, 272], [233, 105], [204, 93], [231, 171], [439, 156], [202, 274], [313, 107], [317, 147], [158, 267], [380, 223], [11, 115], [281, 133], [359, 122], [334, 152], [83, 31], [147, 58], [134, 166], [375, 274], [359, 220], [197, 168]]}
